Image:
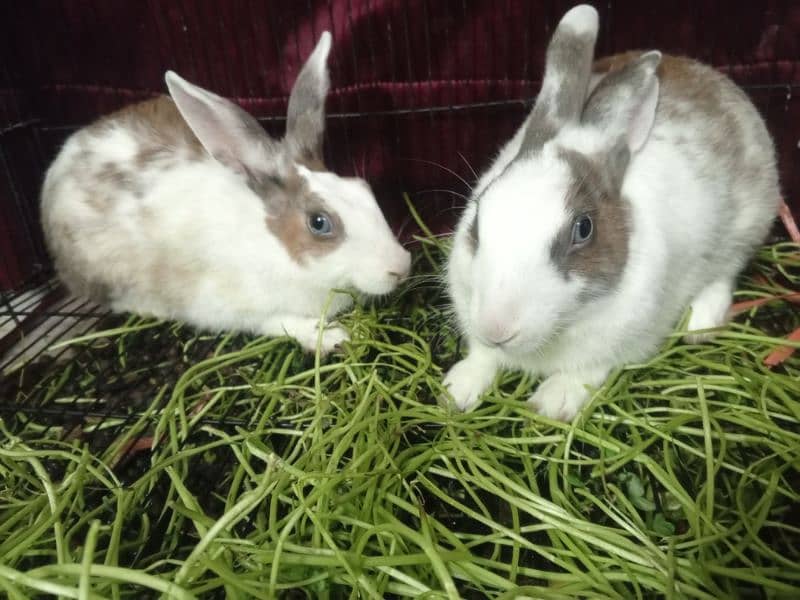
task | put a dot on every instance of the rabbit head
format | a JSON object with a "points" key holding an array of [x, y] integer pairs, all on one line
{"points": [[331, 227]]}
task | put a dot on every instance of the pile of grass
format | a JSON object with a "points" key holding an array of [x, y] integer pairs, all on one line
{"points": [[237, 467]]}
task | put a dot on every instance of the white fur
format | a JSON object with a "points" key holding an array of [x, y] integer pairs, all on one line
{"points": [[318, 60], [581, 19], [692, 230]]}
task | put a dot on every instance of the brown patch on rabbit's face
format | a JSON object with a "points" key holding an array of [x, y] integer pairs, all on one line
{"points": [[601, 259], [290, 205]]}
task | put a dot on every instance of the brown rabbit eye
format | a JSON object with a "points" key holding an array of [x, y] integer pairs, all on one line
{"points": [[582, 230], [319, 224]]}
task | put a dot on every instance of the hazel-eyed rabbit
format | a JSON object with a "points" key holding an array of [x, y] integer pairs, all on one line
{"points": [[185, 208], [637, 187]]}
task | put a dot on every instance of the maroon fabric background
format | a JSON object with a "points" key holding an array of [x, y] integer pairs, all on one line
{"points": [[424, 91]]}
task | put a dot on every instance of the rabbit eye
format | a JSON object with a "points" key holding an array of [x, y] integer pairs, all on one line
{"points": [[582, 230], [320, 224]]}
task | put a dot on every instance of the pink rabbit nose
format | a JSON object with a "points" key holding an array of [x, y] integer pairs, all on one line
{"points": [[494, 332]]}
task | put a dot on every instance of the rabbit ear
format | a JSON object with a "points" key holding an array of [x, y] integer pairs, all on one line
{"points": [[228, 133], [623, 105], [566, 77], [305, 123]]}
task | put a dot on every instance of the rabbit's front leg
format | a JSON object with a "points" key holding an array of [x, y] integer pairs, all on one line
{"points": [[563, 394], [468, 378], [306, 331]]}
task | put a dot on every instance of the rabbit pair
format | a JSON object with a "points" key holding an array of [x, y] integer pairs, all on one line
{"points": [[638, 186], [185, 208]]}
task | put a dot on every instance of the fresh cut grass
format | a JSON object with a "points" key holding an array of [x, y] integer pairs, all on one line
{"points": [[161, 463]]}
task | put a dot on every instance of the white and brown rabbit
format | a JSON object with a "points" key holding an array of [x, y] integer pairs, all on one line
{"points": [[637, 187], [185, 208]]}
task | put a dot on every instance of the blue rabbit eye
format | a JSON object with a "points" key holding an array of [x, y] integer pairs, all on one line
{"points": [[319, 224], [582, 230]]}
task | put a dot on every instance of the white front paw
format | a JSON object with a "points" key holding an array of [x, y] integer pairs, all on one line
{"points": [[465, 385], [709, 311], [559, 397], [706, 316], [332, 338]]}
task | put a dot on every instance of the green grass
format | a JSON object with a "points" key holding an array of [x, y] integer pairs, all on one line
{"points": [[275, 474]]}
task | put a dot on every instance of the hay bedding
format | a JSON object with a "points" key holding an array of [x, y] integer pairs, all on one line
{"points": [[159, 461]]}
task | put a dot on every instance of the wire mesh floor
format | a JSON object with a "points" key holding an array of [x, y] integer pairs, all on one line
{"points": [[99, 384], [72, 370]]}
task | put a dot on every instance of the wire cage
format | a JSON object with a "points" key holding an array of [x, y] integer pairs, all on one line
{"points": [[423, 93]]}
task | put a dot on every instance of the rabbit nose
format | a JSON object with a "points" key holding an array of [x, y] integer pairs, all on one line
{"points": [[496, 333]]}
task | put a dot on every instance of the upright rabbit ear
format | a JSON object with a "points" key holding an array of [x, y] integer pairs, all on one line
{"points": [[228, 133], [305, 122], [566, 77], [623, 105]]}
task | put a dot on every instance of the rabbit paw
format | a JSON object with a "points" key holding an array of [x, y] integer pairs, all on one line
{"points": [[560, 397], [306, 331], [332, 339], [709, 311], [466, 381]]}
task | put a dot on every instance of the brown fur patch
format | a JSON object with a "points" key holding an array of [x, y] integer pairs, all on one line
{"points": [[117, 177], [689, 91], [163, 138], [603, 258], [685, 83], [290, 204], [107, 182], [157, 125], [702, 100]]}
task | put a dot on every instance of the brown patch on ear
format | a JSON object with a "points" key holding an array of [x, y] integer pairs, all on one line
{"points": [[290, 206], [603, 258]]}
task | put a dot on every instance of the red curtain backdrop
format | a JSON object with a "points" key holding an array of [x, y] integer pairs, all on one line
{"points": [[423, 91]]}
